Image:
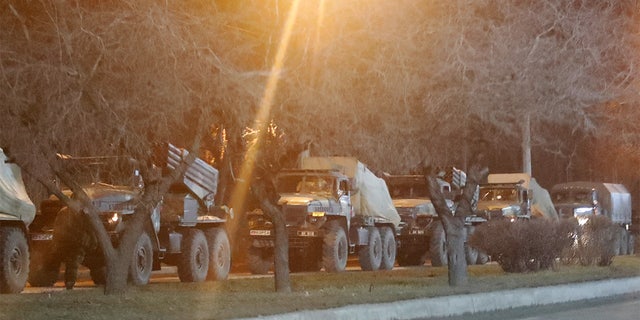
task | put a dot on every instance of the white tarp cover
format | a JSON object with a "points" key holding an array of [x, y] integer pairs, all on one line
{"points": [[14, 201], [620, 203], [541, 204], [370, 195]]}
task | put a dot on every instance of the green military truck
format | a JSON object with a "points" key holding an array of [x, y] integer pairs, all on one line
{"points": [[333, 207], [187, 229]]}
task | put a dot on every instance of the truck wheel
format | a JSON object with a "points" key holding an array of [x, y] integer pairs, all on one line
{"points": [[335, 249], [44, 268], [141, 261], [370, 256], [388, 248], [624, 243], [470, 254], [219, 254], [483, 258], [438, 246], [14, 260], [260, 260], [194, 259]]}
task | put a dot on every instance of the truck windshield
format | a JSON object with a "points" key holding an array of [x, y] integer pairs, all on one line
{"points": [[120, 171], [498, 194], [408, 191], [574, 196], [305, 184]]}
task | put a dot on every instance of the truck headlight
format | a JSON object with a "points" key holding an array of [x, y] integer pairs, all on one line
{"points": [[582, 220], [508, 212], [114, 219]]}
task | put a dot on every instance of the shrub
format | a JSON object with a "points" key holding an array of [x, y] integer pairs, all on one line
{"points": [[593, 243], [524, 245]]}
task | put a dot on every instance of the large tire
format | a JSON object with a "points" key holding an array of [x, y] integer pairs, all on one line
{"points": [[194, 259], [14, 260], [624, 243], [335, 248], [141, 262], [438, 246], [260, 260], [483, 258], [219, 254], [388, 248], [370, 256], [44, 268], [470, 253]]}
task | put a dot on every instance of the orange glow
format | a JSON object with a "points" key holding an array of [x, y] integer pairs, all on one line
{"points": [[261, 122]]}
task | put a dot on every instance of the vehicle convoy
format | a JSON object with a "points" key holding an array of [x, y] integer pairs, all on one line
{"points": [[187, 229], [16, 213], [333, 206], [582, 199]]}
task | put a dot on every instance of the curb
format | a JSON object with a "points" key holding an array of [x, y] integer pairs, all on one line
{"points": [[470, 303]]}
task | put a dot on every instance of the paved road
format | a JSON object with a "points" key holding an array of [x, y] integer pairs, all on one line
{"points": [[624, 307]]}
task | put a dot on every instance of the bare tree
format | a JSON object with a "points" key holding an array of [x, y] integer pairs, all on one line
{"points": [[110, 79], [454, 222]]}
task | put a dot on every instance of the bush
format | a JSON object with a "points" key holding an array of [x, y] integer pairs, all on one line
{"points": [[524, 245], [593, 243]]}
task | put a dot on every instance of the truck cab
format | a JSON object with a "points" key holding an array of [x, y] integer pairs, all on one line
{"points": [[314, 203], [504, 200]]}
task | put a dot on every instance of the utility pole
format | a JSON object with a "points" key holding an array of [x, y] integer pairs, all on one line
{"points": [[526, 145]]}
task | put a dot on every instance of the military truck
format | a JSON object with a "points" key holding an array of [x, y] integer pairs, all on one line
{"points": [[16, 213], [584, 199], [333, 207], [187, 229], [512, 196], [418, 219]]}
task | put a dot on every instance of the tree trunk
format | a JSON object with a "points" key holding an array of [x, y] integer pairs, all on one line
{"points": [[281, 250], [457, 267], [281, 254]]}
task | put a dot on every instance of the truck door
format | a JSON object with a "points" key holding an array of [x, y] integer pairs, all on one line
{"points": [[344, 197]]}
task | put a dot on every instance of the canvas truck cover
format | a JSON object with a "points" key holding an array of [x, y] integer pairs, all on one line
{"points": [[370, 195], [541, 204], [14, 201]]}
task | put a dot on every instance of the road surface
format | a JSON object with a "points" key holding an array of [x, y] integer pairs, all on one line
{"points": [[624, 307]]}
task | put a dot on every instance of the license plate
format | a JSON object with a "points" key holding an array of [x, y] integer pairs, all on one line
{"points": [[42, 237], [260, 232], [307, 233], [417, 231]]}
